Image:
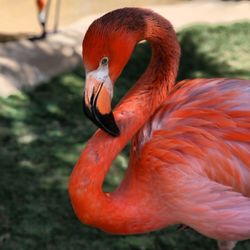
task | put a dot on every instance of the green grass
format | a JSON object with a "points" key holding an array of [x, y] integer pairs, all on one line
{"points": [[210, 51], [43, 132]]}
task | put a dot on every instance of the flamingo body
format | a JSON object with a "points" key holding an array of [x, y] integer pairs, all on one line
{"points": [[190, 151], [199, 149], [41, 4]]}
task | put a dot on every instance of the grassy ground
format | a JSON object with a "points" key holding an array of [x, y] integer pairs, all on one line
{"points": [[43, 132]]}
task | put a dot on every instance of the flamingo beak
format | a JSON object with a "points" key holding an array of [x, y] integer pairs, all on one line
{"points": [[97, 103]]}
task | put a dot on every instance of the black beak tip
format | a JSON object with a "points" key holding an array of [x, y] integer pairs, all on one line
{"points": [[106, 122], [113, 131]]}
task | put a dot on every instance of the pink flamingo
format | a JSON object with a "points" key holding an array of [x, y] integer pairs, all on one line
{"points": [[43, 11], [41, 6], [190, 151]]}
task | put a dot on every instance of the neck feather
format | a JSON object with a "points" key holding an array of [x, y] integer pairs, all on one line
{"points": [[164, 63], [121, 211]]}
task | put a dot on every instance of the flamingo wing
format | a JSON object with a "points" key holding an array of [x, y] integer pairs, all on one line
{"points": [[197, 148], [210, 208], [205, 121]]}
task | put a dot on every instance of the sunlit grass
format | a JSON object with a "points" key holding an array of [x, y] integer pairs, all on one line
{"points": [[43, 132]]}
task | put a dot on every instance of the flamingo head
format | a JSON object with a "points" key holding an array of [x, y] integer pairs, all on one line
{"points": [[107, 47]]}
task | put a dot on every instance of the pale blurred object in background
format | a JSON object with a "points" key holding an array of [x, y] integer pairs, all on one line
{"points": [[43, 11], [21, 16], [43, 8]]}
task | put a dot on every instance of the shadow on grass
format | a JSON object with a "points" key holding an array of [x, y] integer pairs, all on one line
{"points": [[43, 133]]}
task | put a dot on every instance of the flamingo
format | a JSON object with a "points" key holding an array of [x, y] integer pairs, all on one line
{"points": [[41, 6], [43, 10], [190, 141]]}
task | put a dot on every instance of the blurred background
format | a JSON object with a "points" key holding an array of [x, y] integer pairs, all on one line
{"points": [[25, 12], [43, 129]]}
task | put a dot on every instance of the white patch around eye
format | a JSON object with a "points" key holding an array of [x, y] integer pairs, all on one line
{"points": [[101, 75]]}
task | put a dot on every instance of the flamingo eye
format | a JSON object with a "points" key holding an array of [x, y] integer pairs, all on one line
{"points": [[104, 61]]}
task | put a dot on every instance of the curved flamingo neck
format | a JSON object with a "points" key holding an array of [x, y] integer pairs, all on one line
{"points": [[164, 63], [120, 211]]}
